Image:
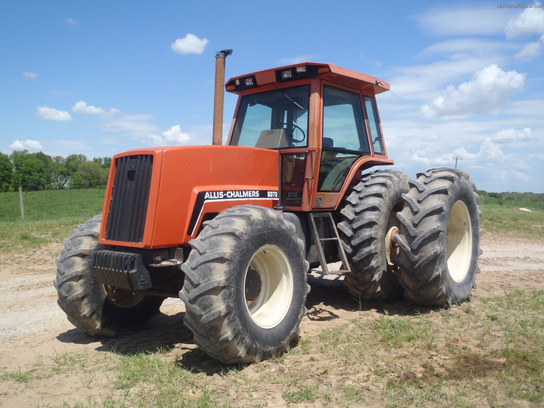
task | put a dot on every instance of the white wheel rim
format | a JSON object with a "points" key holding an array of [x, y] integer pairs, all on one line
{"points": [[459, 242], [268, 286], [391, 247]]}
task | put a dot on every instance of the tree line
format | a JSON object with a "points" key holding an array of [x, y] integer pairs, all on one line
{"points": [[39, 171]]}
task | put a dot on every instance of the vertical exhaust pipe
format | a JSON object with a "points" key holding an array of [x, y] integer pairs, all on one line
{"points": [[219, 97]]}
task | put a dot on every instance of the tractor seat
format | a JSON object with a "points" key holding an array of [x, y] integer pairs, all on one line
{"points": [[272, 139]]}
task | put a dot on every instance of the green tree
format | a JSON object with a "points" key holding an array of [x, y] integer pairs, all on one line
{"points": [[89, 175], [59, 176], [105, 162], [73, 162], [6, 173], [32, 171]]}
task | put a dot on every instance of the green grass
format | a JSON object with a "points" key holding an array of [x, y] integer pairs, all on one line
{"points": [[485, 354], [306, 393], [499, 219], [531, 201], [151, 379], [50, 216], [51, 204], [501, 213]]}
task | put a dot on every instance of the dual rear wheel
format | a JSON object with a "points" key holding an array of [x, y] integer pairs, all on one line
{"points": [[418, 239], [439, 239]]}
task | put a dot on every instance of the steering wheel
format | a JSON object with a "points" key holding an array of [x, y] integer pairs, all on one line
{"points": [[291, 128]]}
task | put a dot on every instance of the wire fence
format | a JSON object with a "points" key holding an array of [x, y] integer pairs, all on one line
{"points": [[50, 204]]}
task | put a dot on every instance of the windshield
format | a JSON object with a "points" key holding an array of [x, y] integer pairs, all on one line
{"points": [[274, 119]]}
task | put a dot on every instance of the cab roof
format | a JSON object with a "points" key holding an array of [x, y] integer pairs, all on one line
{"points": [[369, 85]]}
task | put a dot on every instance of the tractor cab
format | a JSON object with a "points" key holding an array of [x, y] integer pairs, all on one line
{"points": [[322, 119]]}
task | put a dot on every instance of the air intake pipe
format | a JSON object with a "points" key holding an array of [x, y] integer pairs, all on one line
{"points": [[219, 98]]}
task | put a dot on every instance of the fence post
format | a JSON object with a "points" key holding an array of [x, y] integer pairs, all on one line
{"points": [[21, 202]]}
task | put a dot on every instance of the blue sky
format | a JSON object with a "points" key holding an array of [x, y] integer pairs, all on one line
{"points": [[100, 77]]}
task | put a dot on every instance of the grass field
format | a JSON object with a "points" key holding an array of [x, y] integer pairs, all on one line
{"points": [[501, 213], [52, 215], [49, 216]]}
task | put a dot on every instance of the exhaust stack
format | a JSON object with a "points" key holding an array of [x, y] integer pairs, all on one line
{"points": [[219, 98]]}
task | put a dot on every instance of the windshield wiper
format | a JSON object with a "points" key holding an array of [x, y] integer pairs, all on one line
{"points": [[298, 105]]}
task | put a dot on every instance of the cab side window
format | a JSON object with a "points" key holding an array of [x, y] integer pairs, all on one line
{"points": [[374, 124], [344, 137], [343, 122]]}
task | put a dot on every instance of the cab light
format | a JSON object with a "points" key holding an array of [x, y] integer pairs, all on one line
{"points": [[287, 74], [301, 69], [248, 81]]}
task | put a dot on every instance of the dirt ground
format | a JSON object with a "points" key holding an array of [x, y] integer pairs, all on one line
{"points": [[33, 327]]}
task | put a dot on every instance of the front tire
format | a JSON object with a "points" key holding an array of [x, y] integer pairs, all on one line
{"points": [[89, 305], [369, 222], [245, 285], [439, 238]]}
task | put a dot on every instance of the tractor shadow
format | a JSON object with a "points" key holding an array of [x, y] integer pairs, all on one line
{"points": [[329, 293], [161, 334], [327, 300]]}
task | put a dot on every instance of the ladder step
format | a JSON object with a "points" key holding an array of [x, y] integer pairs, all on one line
{"points": [[318, 239]]}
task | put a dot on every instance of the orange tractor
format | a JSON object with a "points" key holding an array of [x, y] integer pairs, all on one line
{"points": [[234, 229]]}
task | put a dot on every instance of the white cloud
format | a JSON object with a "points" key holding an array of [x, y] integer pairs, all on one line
{"points": [[520, 175], [486, 93], [29, 75], [531, 50], [465, 45], [137, 126], [174, 135], [53, 114], [26, 145], [432, 160], [420, 82], [190, 44], [82, 107], [71, 21], [527, 23], [488, 151], [513, 135], [141, 129], [463, 21]]}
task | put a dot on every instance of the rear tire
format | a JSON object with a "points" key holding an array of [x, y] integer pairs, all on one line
{"points": [[369, 220], [439, 238], [245, 285], [89, 305]]}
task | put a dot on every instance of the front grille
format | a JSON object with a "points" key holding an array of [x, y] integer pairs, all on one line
{"points": [[128, 207]]}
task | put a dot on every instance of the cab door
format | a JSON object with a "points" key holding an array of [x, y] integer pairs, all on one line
{"points": [[345, 137]]}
